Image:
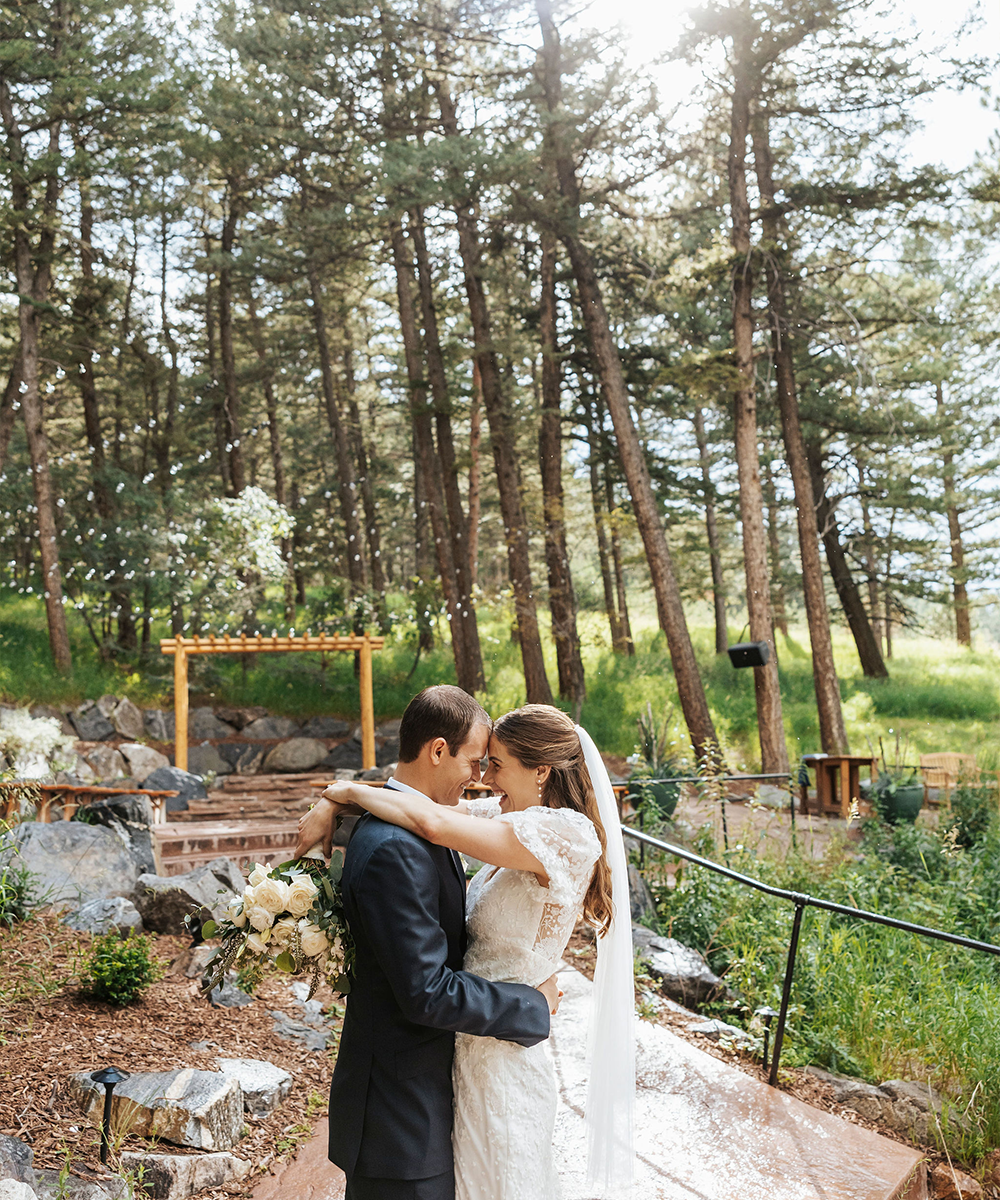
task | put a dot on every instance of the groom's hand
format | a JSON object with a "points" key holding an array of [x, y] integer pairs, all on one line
{"points": [[317, 825], [550, 990]]}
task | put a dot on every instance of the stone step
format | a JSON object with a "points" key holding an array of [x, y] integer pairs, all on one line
{"points": [[180, 848]]}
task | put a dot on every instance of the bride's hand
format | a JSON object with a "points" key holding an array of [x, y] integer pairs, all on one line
{"points": [[550, 990], [344, 798]]}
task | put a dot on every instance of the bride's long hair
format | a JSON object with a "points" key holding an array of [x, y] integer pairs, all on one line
{"points": [[539, 735]]}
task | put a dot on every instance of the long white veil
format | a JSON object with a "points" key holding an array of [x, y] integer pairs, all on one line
{"points": [[611, 1092]]}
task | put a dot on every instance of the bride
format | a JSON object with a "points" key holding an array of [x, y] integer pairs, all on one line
{"points": [[553, 852]]}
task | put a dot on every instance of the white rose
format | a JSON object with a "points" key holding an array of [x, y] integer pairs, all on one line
{"points": [[236, 913], [314, 940], [258, 874], [249, 893], [256, 943], [282, 931], [260, 918], [272, 894], [301, 894]]}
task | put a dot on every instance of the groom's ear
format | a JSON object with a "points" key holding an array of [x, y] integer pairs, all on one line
{"points": [[436, 749]]}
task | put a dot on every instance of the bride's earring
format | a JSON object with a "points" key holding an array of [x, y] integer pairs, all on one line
{"points": [[539, 789]]}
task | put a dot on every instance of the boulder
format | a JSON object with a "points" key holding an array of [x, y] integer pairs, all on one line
{"points": [[102, 916], [912, 1109], [175, 1176], [142, 760], [90, 724], [719, 1031], [238, 717], [192, 962], [206, 760], [106, 763], [14, 1189], [51, 1186], [298, 1031], [127, 719], [106, 705], [388, 752], [83, 771], [187, 785], [229, 994], [16, 1158], [72, 862], [948, 1183], [163, 901], [264, 1085], [346, 756], [298, 754], [640, 897], [389, 729], [203, 723], [202, 1109], [267, 729], [159, 725], [683, 974], [132, 818], [245, 758], [325, 727]]}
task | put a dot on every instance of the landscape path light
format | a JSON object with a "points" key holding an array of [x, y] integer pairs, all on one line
{"points": [[108, 1076], [767, 1015]]}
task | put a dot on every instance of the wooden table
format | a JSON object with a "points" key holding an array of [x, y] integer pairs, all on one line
{"points": [[837, 782]]}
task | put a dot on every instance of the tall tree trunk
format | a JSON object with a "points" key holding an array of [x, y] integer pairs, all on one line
{"points": [[457, 523], [230, 389], [274, 441], [357, 436], [960, 592], [9, 405], [779, 611], [770, 725], [562, 599], [872, 662], [668, 598], [33, 280], [423, 440], [212, 371], [475, 474], [618, 642], [505, 460], [614, 524], [346, 487], [833, 732], [871, 566], [712, 532]]}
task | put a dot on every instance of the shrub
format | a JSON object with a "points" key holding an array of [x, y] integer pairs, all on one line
{"points": [[119, 970], [16, 893], [973, 811]]}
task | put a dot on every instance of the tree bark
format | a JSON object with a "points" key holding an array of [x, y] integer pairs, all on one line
{"points": [[712, 532], [778, 608], [33, 280], [216, 394], [770, 724], [475, 474], [9, 405], [960, 592], [618, 642], [457, 525], [624, 624], [346, 487], [833, 733], [562, 599], [871, 567], [501, 441], [230, 389], [357, 436]]}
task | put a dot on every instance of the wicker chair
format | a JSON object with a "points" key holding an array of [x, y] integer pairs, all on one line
{"points": [[943, 771]]}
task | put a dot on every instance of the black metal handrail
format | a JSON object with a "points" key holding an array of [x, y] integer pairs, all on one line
{"points": [[803, 901]]}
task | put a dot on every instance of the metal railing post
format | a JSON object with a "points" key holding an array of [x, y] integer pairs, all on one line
{"points": [[786, 991]]}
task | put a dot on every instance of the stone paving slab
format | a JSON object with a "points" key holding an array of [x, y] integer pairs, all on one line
{"points": [[707, 1131], [308, 1176]]}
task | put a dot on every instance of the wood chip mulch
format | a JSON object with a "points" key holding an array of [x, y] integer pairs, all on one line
{"points": [[51, 1029]]}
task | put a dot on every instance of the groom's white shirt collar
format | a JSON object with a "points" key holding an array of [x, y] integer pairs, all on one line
{"points": [[394, 783]]}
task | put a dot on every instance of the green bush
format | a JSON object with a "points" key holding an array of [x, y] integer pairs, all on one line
{"points": [[119, 970], [16, 893]]}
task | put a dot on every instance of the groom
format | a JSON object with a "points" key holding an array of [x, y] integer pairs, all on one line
{"points": [[391, 1095]]}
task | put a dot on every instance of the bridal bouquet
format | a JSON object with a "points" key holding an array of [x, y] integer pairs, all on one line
{"points": [[289, 918]]}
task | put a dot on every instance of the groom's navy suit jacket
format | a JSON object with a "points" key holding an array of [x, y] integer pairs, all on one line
{"points": [[391, 1095]]}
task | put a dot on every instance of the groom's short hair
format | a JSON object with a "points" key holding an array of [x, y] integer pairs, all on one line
{"points": [[439, 711]]}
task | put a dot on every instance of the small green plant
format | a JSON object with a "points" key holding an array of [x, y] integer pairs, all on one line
{"points": [[17, 893], [120, 970], [972, 812]]}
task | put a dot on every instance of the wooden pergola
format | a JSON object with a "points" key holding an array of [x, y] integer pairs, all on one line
{"points": [[183, 647]]}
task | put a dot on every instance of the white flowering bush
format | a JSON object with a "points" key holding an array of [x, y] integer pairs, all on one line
{"points": [[34, 747], [290, 918]]}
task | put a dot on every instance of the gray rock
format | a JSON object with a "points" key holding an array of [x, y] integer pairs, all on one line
{"points": [[142, 760], [298, 754], [106, 763], [74, 1187], [347, 774], [203, 723], [346, 756], [159, 725], [127, 719], [72, 862], [912, 1109], [267, 729], [244, 757], [106, 705], [372, 775], [640, 897], [264, 1085], [206, 760], [388, 752], [203, 1109], [683, 974], [16, 1158], [228, 994], [163, 901], [101, 916], [717, 1031], [191, 963], [132, 818], [187, 785], [298, 1031], [389, 729], [90, 724], [325, 727], [176, 1176], [83, 771], [14, 1189]]}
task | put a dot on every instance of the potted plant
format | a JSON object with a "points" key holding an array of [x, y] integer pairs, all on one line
{"points": [[896, 792], [651, 785]]}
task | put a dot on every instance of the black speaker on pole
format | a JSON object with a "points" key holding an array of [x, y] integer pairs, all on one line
{"points": [[749, 654]]}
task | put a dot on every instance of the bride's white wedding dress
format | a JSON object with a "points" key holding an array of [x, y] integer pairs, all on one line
{"points": [[505, 1095]]}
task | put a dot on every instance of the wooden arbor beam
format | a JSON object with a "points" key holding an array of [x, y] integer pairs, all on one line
{"points": [[183, 647]]}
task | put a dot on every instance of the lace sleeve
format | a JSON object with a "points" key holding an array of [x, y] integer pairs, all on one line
{"points": [[565, 843], [487, 806]]}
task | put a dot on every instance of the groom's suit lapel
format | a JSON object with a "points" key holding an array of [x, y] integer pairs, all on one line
{"points": [[453, 858]]}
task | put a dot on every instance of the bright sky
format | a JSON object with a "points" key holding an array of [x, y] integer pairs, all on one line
{"points": [[956, 127]]}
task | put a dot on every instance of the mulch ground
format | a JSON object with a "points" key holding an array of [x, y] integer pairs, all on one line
{"points": [[51, 1029]]}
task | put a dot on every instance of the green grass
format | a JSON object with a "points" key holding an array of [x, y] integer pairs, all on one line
{"points": [[941, 697]]}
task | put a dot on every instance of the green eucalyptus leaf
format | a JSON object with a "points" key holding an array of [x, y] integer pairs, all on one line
{"points": [[285, 962], [209, 929]]}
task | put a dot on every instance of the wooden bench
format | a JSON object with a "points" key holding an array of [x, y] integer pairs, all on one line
{"points": [[944, 770], [72, 796]]}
